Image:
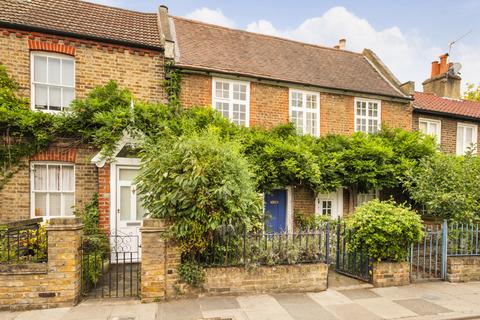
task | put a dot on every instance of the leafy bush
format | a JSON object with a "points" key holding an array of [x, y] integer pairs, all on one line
{"points": [[312, 221], [199, 183], [447, 186], [192, 274], [384, 229]]}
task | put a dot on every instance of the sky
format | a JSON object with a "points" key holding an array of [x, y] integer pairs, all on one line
{"points": [[407, 35]]}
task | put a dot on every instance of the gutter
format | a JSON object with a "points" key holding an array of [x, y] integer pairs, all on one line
{"points": [[285, 83], [23, 27], [445, 114]]}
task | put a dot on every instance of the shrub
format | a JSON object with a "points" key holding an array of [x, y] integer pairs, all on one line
{"points": [[199, 184], [384, 229], [192, 274]]}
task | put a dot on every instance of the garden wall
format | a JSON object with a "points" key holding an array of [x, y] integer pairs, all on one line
{"points": [[389, 274], [46, 285], [463, 269]]}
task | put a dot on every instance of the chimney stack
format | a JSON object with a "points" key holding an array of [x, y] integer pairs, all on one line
{"points": [[341, 44], [443, 83]]}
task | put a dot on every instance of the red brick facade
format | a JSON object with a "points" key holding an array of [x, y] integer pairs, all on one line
{"points": [[448, 133]]}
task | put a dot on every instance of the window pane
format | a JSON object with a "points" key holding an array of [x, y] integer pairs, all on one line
{"points": [[54, 178], [55, 98], [55, 204], [69, 200], [311, 101], [223, 108], [40, 97], [125, 201], [297, 119], [40, 177], [128, 174], [67, 72], [423, 127], [53, 71], [40, 204], [311, 122], [67, 97], [468, 136], [68, 178], [460, 139], [40, 69], [238, 115]]}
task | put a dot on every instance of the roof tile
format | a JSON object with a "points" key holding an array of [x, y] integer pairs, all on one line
{"points": [[430, 102]]}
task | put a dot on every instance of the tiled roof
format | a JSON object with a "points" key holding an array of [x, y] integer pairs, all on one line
{"points": [[430, 102], [84, 18], [214, 48]]}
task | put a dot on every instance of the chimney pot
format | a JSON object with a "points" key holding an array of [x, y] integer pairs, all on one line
{"points": [[342, 43], [443, 63], [435, 69], [164, 8]]}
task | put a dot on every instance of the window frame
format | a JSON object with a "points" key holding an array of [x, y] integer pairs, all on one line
{"points": [[47, 54], [230, 100], [374, 192], [378, 118], [438, 135], [304, 109], [475, 137], [48, 192]]}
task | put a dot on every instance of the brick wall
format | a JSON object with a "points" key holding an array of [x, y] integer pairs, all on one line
{"points": [[104, 197], [268, 105], [95, 63], [448, 132], [46, 285], [15, 195], [463, 269], [391, 274], [303, 200]]}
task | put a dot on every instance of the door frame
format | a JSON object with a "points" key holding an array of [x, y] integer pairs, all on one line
{"points": [[118, 162]]}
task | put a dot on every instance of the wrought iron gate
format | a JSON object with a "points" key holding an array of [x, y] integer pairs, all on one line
{"points": [[111, 266], [428, 258], [356, 264]]}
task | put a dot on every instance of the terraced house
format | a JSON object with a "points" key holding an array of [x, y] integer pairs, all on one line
{"points": [[59, 50]]}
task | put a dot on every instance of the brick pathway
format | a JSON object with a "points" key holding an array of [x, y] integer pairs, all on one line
{"points": [[433, 300]]}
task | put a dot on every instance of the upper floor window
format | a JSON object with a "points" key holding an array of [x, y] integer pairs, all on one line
{"points": [[53, 81], [367, 196], [52, 188], [367, 115], [305, 111], [466, 138], [431, 127], [232, 99]]}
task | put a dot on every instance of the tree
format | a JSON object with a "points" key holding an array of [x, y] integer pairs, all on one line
{"points": [[472, 93], [447, 186], [199, 183]]}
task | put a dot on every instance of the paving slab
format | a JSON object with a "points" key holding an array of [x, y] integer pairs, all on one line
{"points": [[5, 315], [263, 307], [302, 307], [179, 310], [329, 297], [100, 312], [422, 307], [218, 303], [235, 314], [359, 294], [46, 314], [137, 311], [352, 311], [385, 308]]}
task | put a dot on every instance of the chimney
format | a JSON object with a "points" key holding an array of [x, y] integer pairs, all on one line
{"points": [[442, 82], [341, 44], [166, 35]]}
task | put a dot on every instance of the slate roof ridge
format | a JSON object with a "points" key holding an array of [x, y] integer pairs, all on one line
{"points": [[266, 36]]}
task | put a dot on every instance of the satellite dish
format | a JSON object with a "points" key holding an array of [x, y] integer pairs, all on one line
{"points": [[454, 70]]}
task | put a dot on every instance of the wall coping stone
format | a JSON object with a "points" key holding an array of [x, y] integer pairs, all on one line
{"points": [[60, 224], [23, 268], [153, 225]]}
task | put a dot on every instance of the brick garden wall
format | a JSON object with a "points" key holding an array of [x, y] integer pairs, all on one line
{"points": [[46, 285], [15, 195], [463, 269], [390, 274], [448, 132]]}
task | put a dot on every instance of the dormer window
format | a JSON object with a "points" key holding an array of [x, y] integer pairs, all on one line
{"points": [[53, 81]]}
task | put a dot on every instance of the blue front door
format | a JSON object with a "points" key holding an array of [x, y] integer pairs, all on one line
{"points": [[276, 210]]}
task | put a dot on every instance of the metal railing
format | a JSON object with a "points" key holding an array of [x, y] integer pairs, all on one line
{"points": [[463, 239], [280, 248], [23, 241]]}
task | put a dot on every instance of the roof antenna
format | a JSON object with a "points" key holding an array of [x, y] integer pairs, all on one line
{"points": [[450, 45]]}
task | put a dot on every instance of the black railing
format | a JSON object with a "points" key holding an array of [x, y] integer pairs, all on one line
{"points": [[250, 249], [23, 241]]}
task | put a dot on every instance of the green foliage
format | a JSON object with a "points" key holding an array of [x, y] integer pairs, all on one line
{"points": [[447, 186], [310, 221], [385, 228], [199, 183], [31, 245], [172, 84], [192, 274], [472, 93]]}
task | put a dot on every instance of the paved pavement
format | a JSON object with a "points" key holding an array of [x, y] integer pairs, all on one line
{"points": [[433, 300]]}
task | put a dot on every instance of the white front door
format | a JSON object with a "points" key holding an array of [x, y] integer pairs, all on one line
{"points": [[129, 212]]}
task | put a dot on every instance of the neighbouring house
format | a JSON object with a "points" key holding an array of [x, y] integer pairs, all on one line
{"points": [[440, 110], [261, 80], [59, 50]]}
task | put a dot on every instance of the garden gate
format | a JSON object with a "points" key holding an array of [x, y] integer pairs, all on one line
{"points": [[111, 266], [356, 264], [428, 257]]}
